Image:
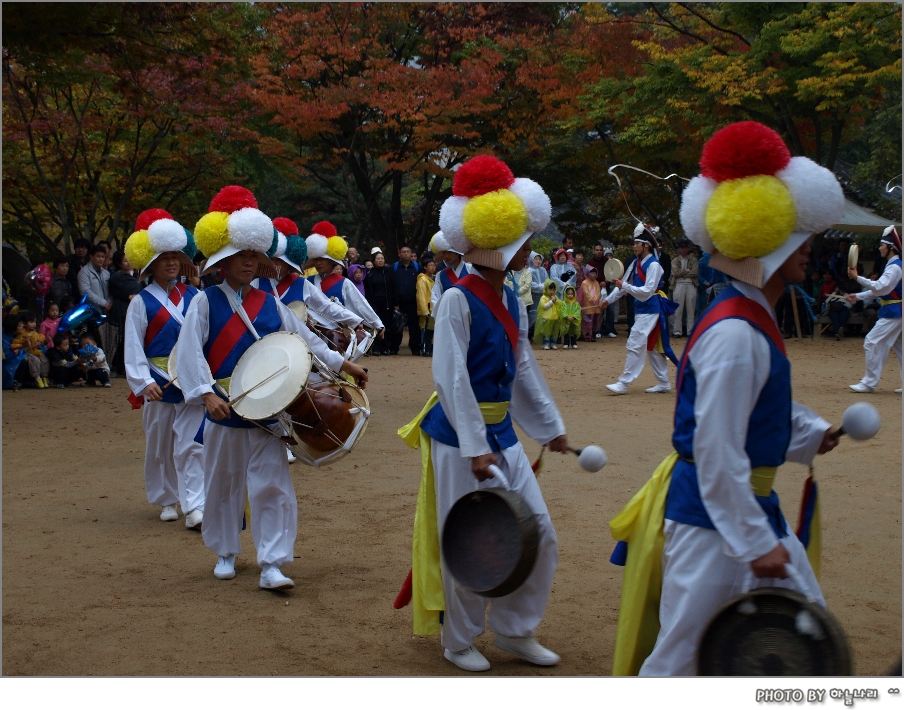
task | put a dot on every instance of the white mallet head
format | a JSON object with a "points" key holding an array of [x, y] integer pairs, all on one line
{"points": [[860, 421], [592, 458]]}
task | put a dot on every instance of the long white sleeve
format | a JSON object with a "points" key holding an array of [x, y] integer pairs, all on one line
{"points": [[533, 407], [138, 371], [891, 275], [291, 323], [192, 369], [807, 432], [318, 301], [356, 303], [654, 276]]}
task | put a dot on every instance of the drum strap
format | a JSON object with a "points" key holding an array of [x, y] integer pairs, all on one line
{"points": [[238, 309]]}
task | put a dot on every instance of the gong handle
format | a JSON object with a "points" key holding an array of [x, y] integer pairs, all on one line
{"points": [[500, 477]]}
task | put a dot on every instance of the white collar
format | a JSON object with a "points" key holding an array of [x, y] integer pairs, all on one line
{"points": [[754, 294]]}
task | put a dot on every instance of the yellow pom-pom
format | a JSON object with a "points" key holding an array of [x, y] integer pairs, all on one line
{"points": [[337, 248], [211, 233], [494, 219], [752, 216], [138, 249]]}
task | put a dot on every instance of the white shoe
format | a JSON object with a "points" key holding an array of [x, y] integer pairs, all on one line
{"points": [[565, 347], [574, 347], [546, 347], [194, 519], [898, 391], [611, 335], [169, 513], [860, 387], [225, 568], [468, 660], [290, 455], [618, 388], [676, 335], [272, 578], [661, 387], [599, 335], [553, 347], [528, 648]]}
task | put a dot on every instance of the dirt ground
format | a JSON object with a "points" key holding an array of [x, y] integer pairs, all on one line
{"points": [[95, 584]]}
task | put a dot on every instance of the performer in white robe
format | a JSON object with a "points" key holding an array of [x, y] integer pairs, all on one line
{"points": [[642, 282], [486, 377], [885, 335], [173, 470], [708, 524], [239, 456], [448, 277]]}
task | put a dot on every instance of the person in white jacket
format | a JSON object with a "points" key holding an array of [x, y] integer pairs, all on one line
{"points": [[885, 335], [173, 469]]}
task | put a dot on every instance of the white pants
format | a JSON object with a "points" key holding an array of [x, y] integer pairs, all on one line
{"points": [[173, 468], [518, 613], [637, 346], [883, 337], [240, 460], [686, 296], [698, 578]]}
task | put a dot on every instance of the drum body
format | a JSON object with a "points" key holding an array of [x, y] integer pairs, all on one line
{"points": [[270, 375], [490, 540], [352, 344], [613, 269], [774, 631]]}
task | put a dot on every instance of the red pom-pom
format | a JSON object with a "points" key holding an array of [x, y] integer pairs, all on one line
{"points": [[481, 175], [324, 229], [743, 149], [148, 217], [231, 199], [286, 226]]}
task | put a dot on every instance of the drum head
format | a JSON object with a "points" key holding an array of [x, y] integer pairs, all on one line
{"points": [[853, 256], [613, 269], [300, 310], [489, 541], [283, 357], [774, 632]]}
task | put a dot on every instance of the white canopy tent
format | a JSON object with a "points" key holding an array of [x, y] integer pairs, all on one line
{"points": [[862, 221]]}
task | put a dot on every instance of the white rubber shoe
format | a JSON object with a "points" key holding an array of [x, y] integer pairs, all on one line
{"points": [[169, 514], [862, 388], [194, 519], [290, 455], [661, 387], [618, 388], [468, 660], [272, 578], [528, 648], [898, 391], [225, 568]]}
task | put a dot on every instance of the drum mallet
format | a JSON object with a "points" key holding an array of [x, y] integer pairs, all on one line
{"points": [[860, 421], [591, 458]]}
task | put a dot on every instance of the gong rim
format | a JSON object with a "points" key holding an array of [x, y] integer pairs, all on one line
{"points": [[266, 357]]}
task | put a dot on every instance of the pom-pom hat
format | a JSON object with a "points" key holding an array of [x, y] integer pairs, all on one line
{"points": [[156, 233], [288, 247], [325, 243], [753, 205], [235, 224], [491, 212], [890, 236]]}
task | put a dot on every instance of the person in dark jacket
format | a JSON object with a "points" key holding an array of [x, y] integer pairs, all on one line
{"points": [[380, 292], [77, 259], [123, 287], [406, 270], [60, 287]]}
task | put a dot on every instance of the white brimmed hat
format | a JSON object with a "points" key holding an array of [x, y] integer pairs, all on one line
{"points": [[753, 205], [491, 213], [156, 233], [234, 224]]}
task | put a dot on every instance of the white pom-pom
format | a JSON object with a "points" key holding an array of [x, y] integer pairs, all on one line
{"points": [[439, 243], [317, 244], [251, 229], [860, 421], [888, 230], [638, 230], [539, 208], [166, 235], [450, 222], [281, 243], [818, 198], [592, 458], [694, 201]]}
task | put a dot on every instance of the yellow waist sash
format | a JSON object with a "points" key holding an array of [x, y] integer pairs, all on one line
{"points": [[161, 362], [883, 302], [427, 598]]}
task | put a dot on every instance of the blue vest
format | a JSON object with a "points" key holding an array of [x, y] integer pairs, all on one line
{"points": [[294, 293], [651, 305], [163, 343], [447, 282], [768, 436], [491, 368], [335, 291], [267, 321], [893, 310]]}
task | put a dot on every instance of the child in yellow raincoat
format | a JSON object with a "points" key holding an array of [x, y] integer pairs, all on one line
{"points": [[548, 319], [425, 281]]}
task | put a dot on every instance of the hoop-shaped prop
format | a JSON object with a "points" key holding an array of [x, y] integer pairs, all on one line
{"points": [[613, 269], [853, 256]]}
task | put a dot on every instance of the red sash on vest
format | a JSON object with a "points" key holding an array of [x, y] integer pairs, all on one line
{"points": [[450, 274], [285, 284], [638, 269], [330, 281], [488, 297], [163, 315], [234, 329], [734, 307]]}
